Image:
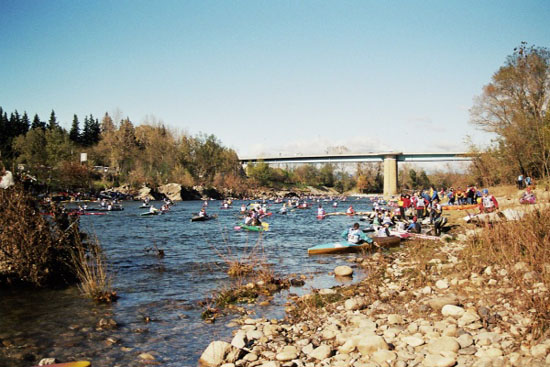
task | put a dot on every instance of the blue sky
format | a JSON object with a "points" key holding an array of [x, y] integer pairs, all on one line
{"points": [[267, 76]]}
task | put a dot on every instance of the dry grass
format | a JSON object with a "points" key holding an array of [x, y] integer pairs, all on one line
{"points": [[91, 268], [522, 249]]}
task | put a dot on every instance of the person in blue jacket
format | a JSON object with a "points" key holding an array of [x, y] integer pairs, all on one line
{"points": [[355, 235]]}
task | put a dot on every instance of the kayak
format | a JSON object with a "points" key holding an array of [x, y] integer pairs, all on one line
{"points": [[344, 213], [459, 207], [198, 218], [70, 364], [346, 247], [321, 216], [263, 228], [148, 214]]}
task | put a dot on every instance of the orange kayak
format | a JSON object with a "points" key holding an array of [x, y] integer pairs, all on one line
{"points": [[460, 207]]}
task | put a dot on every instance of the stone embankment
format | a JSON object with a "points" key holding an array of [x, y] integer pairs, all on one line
{"points": [[411, 314]]}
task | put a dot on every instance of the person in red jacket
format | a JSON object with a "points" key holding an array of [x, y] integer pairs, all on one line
{"points": [[488, 202]]}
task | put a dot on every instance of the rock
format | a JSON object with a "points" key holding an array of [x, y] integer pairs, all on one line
{"points": [[486, 338], [288, 353], [146, 357], [321, 352], [270, 364], [384, 356], [436, 360], [437, 303], [413, 341], [395, 319], [6, 180], [452, 311], [442, 284], [539, 350], [250, 357], [326, 291], [427, 290], [254, 335], [145, 193], [47, 361], [356, 303], [171, 190], [370, 344], [465, 340], [343, 271], [443, 344], [239, 339], [468, 318], [215, 353], [489, 353]]}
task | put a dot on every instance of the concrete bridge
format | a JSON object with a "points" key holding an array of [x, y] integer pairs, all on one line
{"points": [[390, 160]]}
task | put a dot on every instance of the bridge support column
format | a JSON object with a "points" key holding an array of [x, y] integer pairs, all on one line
{"points": [[390, 175]]}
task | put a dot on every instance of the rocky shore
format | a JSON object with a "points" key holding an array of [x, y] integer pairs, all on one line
{"points": [[418, 307]]}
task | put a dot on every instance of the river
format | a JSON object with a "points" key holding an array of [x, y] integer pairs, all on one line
{"points": [[158, 311]]}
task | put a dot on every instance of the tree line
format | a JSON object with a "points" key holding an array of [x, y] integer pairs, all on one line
{"points": [[152, 154]]}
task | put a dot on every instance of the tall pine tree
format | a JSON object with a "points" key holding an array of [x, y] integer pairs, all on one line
{"points": [[74, 134], [25, 123], [37, 124], [52, 123]]}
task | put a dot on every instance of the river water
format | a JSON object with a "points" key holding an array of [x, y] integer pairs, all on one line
{"points": [[159, 309]]}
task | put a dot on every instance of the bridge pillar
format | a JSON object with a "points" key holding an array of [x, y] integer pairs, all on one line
{"points": [[390, 175]]}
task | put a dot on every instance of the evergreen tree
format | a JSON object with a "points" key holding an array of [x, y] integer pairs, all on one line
{"points": [[74, 134], [52, 123], [95, 130], [85, 136], [25, 123], [15, 122], [37, 124]]}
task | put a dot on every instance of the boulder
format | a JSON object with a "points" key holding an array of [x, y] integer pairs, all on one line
{"points": [[443, 344], [343, 271], [215, 353], [288, 353], [452, 311], [437, 303], [6, 180], [436, 360], [145, 193], [321, 352], [370, 344], [171, 190]]}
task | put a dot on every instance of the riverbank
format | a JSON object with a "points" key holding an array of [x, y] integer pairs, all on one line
{"points": [[466, 302]]}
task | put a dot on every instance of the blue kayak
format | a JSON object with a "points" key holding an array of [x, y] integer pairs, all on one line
{"points": [[344, 247]]}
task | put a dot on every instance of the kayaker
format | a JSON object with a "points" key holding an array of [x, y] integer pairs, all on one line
{"points": [[435, 211], [528, 197], [152, 209], [320, 211], [355, 235], [414, 226], [248, 219], [255, 218], [383, 231], [283, 209], [488, 202], [202, 213], [335, 204], [243, 208], [350, 210]]}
